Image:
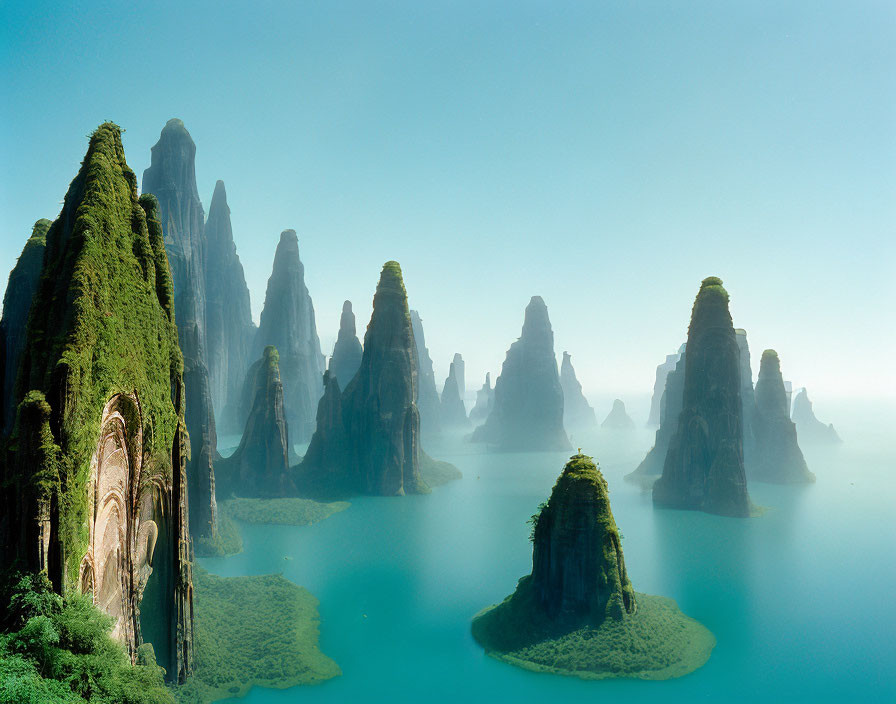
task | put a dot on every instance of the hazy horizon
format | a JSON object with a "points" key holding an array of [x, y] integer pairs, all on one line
{"points": [[606, 159]]}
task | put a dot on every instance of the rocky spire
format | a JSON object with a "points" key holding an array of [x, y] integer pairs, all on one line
{"points": [[810, 429], [453, 412], [747, 398], [659, 386], [23, 281], [578, 571], [528, 409], [380, 424], [171, 178], [97, 478], [577, 412], [460, 375], [618, 419], [485, 399], [260, 465], [778, 457], [428, 397], [228, 314], [287, 323], [704, 467], [670, 408], [346, 359]]}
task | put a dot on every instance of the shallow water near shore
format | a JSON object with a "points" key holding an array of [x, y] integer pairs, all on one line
{"points": [[800, 599]]}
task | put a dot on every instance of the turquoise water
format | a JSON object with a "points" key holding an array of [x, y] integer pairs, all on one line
{"points": [[801, 600]]}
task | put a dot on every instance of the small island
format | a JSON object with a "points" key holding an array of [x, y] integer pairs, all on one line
{"points": [[577, 612]]}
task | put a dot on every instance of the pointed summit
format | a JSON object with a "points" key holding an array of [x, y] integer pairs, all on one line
{"points": [[453, 413], [704, 467], [528, 409], [778, 457], [427, 396], [287, 323], [577, 412], [347, 351], [228, 314], [485, 398], [618, 419], [810, 429], [373, 445]]}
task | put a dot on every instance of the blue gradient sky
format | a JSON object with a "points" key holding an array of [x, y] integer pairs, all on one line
{"points": [[606, 156]]}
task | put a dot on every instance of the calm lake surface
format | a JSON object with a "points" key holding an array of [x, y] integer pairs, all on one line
{"points": [[801, 600]]}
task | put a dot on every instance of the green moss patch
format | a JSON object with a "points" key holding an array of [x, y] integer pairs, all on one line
{"points": [[288, 511], [657, 642], [436, 472], [252, 631]]}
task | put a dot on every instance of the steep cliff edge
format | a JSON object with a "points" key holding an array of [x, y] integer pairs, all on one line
{"points": [[428, 402], [810, 429], [577, 412], [346, 358]]}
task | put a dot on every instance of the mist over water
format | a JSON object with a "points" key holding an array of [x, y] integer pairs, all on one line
{"points": [[799, 599]]}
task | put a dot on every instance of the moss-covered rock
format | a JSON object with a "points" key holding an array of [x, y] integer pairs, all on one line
{"points": [[577, 613], [96, 463]]}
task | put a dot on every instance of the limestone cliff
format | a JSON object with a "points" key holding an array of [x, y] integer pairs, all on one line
{"points": [[528, 409], [670, 408], [428, 402], [453, 414], [230, 331], [373, 445], [97, 478], [578, 572], [260, 465], [287, 323], [485, 399], [23, 281], [704, 466], [577, 412], [778, 457], [346, 359], [747, 398], [617, 418], [659, 386], [810, 429]]}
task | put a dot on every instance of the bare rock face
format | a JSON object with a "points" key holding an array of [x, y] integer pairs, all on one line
{"points": [[260, 465], [577, 412], [778, 457], [453, 412], [578, 571], [373, 445], [171, 178], [428, 402], [23, 281], [810, 429], [748, 398], [460, 375], [704, 467], [346, 359], [485, 399], [670, 408], [528, 409], [96, 484], [287, 323], [230, 331], [618, 419], [659, 386]]}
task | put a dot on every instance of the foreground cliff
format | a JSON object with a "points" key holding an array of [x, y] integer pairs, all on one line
{"points": [[95, 478], [287, 323], [528, 411], [23, 281], [346, 358], [259, 467], [811, 429], [428, 402], [704, 466], [778, 458], [368, 437], [577, 412], [577, 613]]}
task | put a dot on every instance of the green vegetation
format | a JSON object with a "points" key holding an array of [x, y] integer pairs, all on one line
{"points": [[252, 631], [56, 650], [287, 511], [436, 472], [228, 540], [657, 642]]}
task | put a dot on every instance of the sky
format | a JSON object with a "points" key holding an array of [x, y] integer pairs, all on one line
{"points": [[606, 156]]}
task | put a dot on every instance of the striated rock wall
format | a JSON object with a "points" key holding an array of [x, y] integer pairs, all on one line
{"points": [[704, 466], [577, 412], [659, 386], [528, 408]]}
